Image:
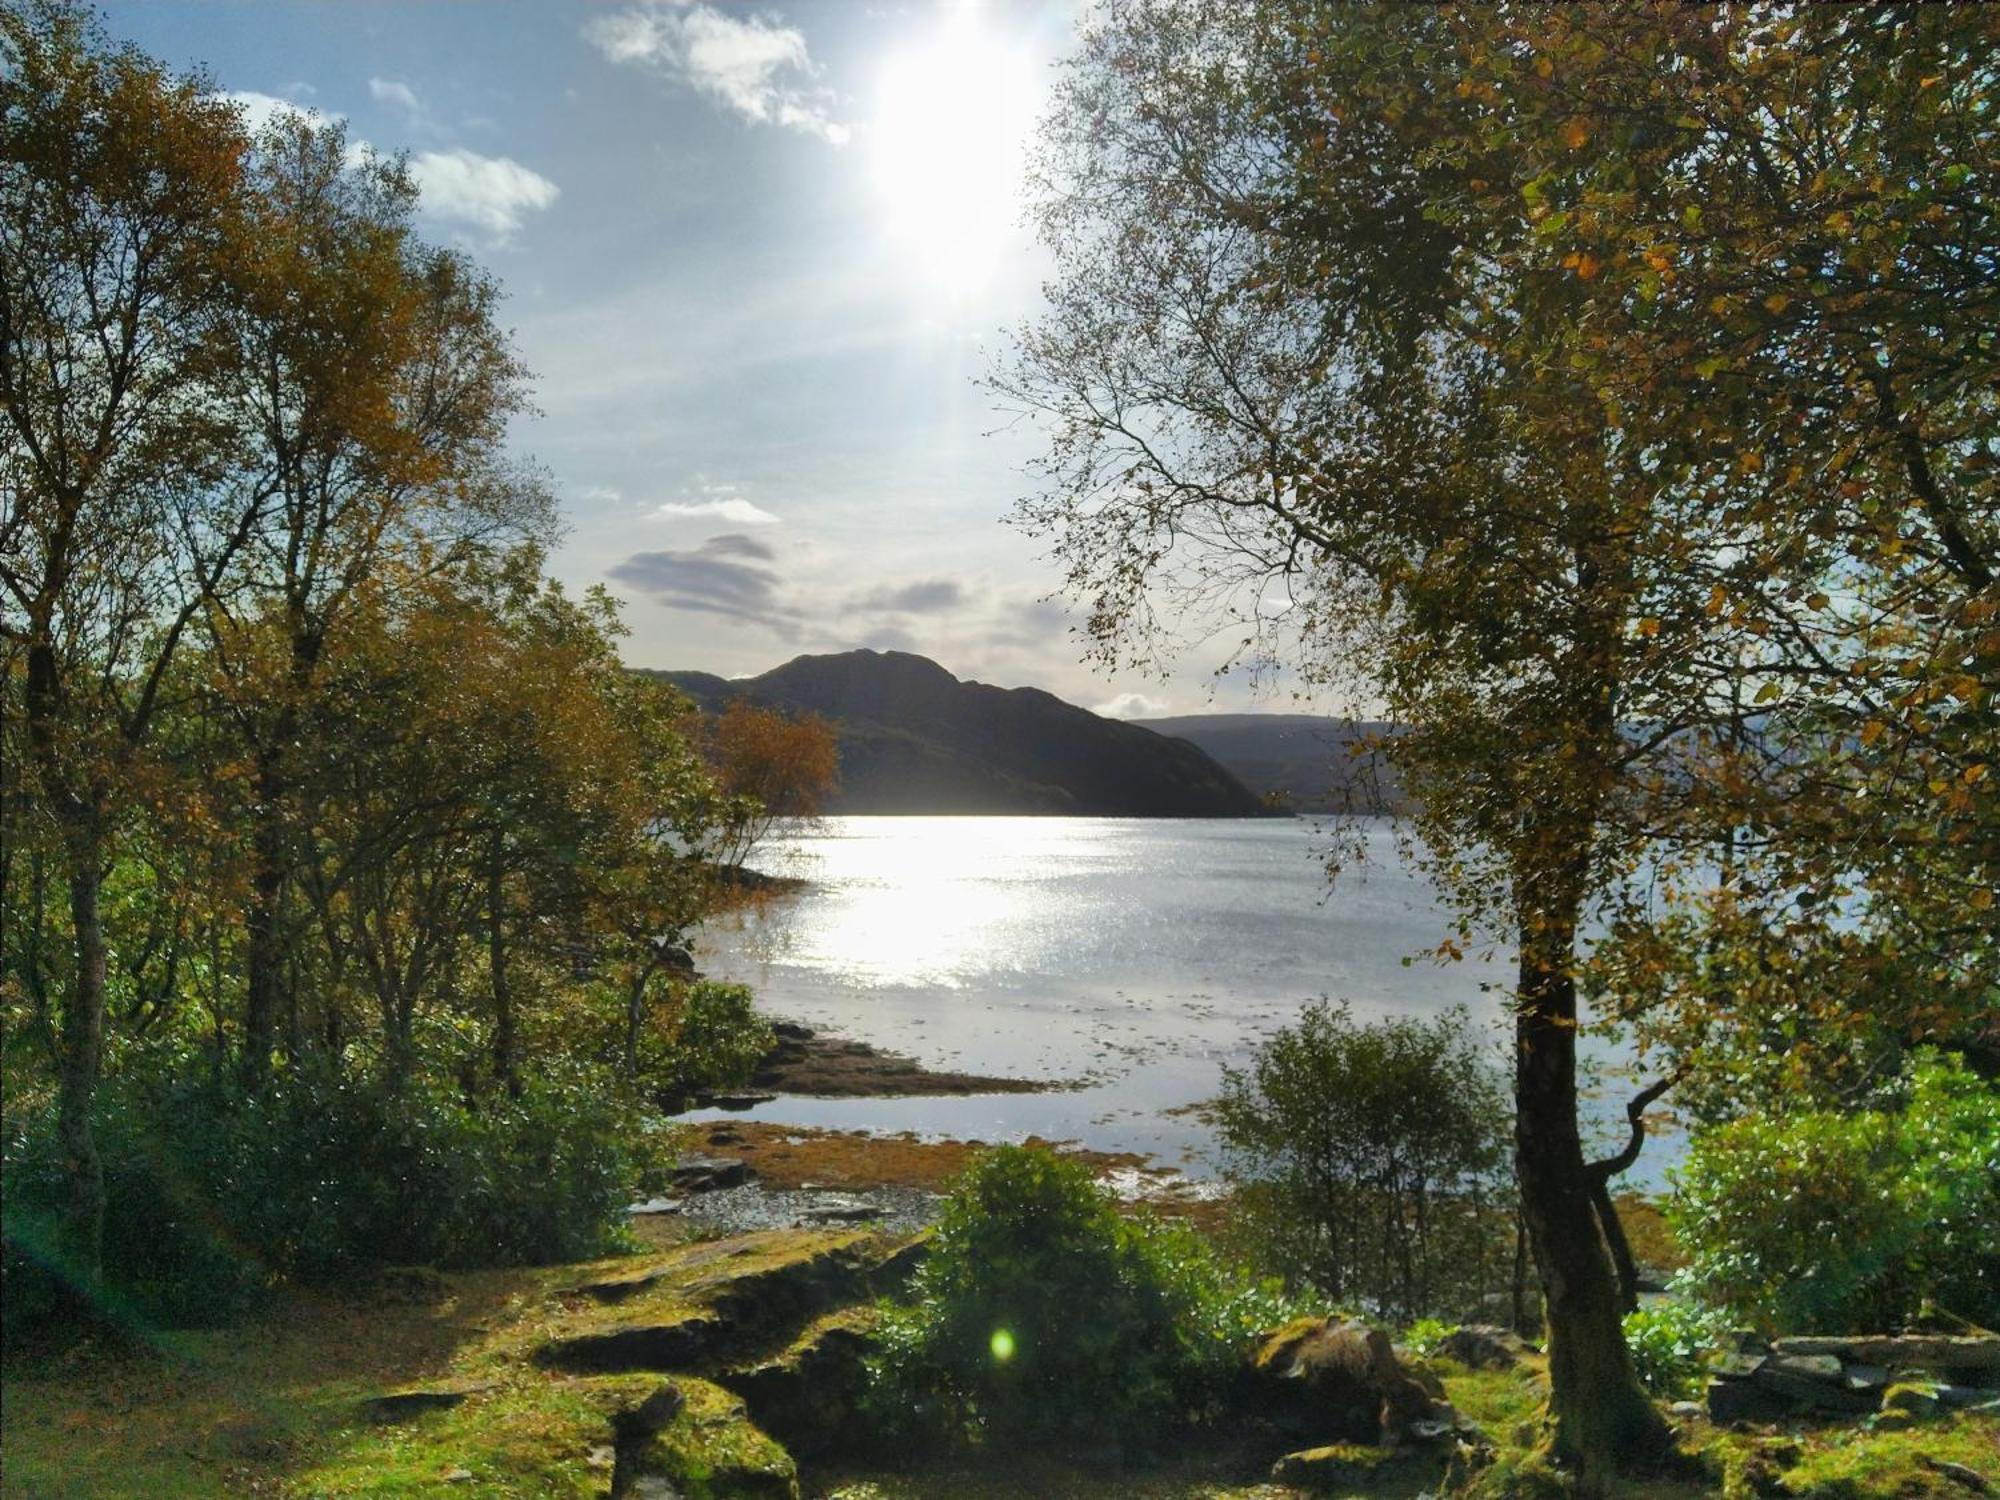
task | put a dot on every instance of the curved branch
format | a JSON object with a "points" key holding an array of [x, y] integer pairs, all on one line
{"points": [[1604, 1170]]}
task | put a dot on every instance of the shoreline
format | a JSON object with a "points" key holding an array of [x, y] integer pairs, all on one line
{"points": [[808, 1064]]}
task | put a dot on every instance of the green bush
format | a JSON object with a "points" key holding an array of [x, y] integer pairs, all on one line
{"points": [[1831, 1222], [1042, 1314], [1670, 1342], [1372, 1161], [213, 1191], [715, 1041], [1424, 1335]]}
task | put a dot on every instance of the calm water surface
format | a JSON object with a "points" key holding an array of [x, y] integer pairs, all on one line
{"points": [[1130, 958]]}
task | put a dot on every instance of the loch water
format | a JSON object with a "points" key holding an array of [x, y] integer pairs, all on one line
{"points": [[1127, 958]]}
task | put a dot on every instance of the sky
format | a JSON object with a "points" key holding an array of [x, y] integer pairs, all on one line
{"points": [[757, 258]]}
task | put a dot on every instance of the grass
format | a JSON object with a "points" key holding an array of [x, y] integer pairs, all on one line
{"points": [[270, 1408]]}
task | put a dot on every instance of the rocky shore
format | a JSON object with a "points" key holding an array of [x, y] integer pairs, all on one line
{"points": [[817, 1066]]}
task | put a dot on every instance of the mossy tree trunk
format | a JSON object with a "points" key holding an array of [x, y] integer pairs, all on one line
{"points": [[1602, 1419]]}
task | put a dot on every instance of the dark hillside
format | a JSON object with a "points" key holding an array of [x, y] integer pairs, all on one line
{"points": [[915, 739]]}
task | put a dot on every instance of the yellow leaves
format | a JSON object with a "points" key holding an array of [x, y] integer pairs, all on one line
{"points": [[1720, 306], [1718, 599], [1972, 775], [1583, 263], [1872, 731], [1649, 626], [1545, 67], [1576, 133], [1930, 82], [1818, 602], [1776, 303], [1979, 898], [1751, 462]]}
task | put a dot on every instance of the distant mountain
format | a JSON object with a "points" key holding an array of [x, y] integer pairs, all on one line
{"points": [[1315, 763], [915, 739]]}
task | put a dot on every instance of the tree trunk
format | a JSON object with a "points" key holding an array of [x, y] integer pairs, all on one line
{"points": [[82, 1057], [264, 946], [1602, 1418], [1619, 1246], [496, 962]]}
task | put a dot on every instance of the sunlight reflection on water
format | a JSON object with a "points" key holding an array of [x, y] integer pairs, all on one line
{"points": [[1127, 958]]}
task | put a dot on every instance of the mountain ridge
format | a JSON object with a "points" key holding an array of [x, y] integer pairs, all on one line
{"points": [[1309, 762], [914, 739]]}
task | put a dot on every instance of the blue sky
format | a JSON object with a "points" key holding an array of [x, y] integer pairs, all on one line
{"points": [[757, 258]]}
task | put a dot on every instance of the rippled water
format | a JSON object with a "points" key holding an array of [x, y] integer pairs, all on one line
{"points": [[1131, 957]]}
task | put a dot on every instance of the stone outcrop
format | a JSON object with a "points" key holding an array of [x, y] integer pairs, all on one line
{"points": [[1336, 1382], [1902, 1376], [809, 1396], [705, 1311]]}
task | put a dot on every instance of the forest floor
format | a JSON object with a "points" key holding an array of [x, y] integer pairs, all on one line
{"points": [[280, 1404]]}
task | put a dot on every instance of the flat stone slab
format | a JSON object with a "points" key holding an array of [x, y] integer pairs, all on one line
{"points": [[1825, 1367], [1903, 1351], [1813, 1392]]}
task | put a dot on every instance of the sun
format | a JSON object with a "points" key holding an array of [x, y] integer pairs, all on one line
{"points": [[947, 143]]}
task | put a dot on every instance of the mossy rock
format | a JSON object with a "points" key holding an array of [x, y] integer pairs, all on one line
{"points": [[1337, 1466], [709, 1451], [809, 1396], [1911, 1400]]}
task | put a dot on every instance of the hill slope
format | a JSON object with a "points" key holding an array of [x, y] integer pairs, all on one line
{"points": [[915, 739], [1308, 759]]}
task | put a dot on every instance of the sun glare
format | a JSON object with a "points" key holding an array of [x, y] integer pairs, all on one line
{"points": [[951, 122]]}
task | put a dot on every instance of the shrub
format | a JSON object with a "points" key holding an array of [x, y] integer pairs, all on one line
{"points": [[1371, 1161], [1424, 1335], [715, 1039], [213, 1191], [1833, 1222], [1670, 1342], [1042, 1314]]}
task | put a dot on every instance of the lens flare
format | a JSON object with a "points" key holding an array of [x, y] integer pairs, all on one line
{"points": [[1003, 1345]]}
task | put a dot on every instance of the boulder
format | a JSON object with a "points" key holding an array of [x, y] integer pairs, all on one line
{"points": [[1337, 1382], [1732, 1401], [1812, 1391], [1482, 1346], [708, 1174]]}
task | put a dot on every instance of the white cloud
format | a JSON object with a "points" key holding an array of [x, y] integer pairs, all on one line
{"points": [[388, 91], [1130, 706], [488, 192], [735, 509], [259, 110], [756, 66]]}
